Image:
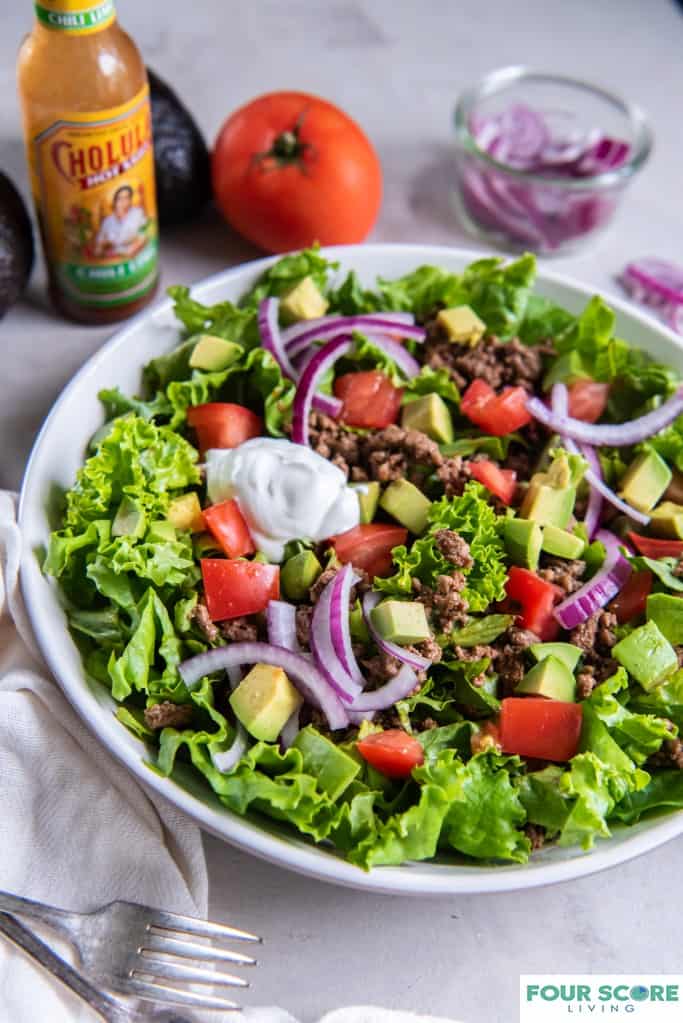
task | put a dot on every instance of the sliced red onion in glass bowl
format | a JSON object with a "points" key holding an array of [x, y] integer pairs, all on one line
{"points": [[598, 591]]}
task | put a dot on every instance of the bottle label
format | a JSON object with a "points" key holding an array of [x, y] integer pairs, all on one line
{"points": [[75, 17], [93, 182]]}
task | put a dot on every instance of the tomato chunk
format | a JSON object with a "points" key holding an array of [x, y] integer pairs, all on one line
{"points": [[501, 482], [497, 414], [226, 522], [588, 400], [234, 588], [369, 547], [537, 599], [650, 547], [393, 753], [221, 424], [631, 600], [368, 399], [542, 729]]}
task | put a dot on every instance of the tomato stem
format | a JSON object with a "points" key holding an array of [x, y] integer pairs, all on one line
{"points": [[287, 147]]}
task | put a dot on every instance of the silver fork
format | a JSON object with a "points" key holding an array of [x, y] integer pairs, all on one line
{"points": [[144, 952]]}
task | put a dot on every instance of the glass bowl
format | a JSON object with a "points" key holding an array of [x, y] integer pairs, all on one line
{"points": [[544, 160]]}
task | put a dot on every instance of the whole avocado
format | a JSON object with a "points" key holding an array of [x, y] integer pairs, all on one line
{"points": [[181, 159], [16, 245]]}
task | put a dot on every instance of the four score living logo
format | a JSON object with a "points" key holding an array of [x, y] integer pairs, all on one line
{"points": [[643, 999]]}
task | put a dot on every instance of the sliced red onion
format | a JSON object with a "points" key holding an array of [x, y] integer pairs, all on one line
{"points": [[315, 370], [604, 155], [309, 681], [416, 661], [234, 673], [409, 366], [599, 590], [325, 626], [281, 622], [298, 338], [227, 759], [660, 280], [621, 435], [594, 478], [289, 732], [327, 404], [339, 622], [559, 399], [271, 337], [674, 318], [398, 688], [357, 717]]}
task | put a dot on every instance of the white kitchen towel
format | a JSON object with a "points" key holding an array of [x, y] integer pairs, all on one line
{"points": [[76, 830]]}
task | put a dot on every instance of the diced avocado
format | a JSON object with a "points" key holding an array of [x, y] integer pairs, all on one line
{"points": [[549, 506], [368, 499], [264, 700], [666, 611], [261, 559], [430, 415], [645, 480], [332, 769], [214, 353], [667, 520], [565, 652], [303, 302], [562, 544], [523, 540], [569, 368], [647, 655], [298, 574], [129, 520], [461, 324], [401, 621], [185, 512], [408, 505], [551, 678], [204, 544], [162, 531], [357, 626]]}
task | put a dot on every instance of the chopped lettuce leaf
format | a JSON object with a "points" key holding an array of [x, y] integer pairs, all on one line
{"points": [[481, 630], [663, 568], [287, 272], [431, 381]]}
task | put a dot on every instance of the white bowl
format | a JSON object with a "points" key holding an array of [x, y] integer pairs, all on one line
{"points": [[58, 453]]}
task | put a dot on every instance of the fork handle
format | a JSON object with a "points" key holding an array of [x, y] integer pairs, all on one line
{"points": [[59, 918]]}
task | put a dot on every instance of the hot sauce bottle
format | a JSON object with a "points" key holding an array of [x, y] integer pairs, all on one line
{"points": [[88, 129]]}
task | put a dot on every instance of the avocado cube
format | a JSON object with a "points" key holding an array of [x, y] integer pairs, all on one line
{"points": [[565, 652], [368, 499], [298, 574], [408, 505], [303, 302], [562, 544], [332, 768], [666, 611], [550, 678], [461, 324], [647, 655], [523, 540], [357, 626], [645, 481], [130, 519], [667, 520], [401, 621], [161, 532], [264, 700], [430, 415], [213, 353], [569, 368], [548, 505], [185, 512]]}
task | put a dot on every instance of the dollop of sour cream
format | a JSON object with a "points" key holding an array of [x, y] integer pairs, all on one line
{"points": [[285, 492]]}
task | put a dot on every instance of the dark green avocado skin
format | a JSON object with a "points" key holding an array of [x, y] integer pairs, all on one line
{"points": [[181, 159], [16, 245]]}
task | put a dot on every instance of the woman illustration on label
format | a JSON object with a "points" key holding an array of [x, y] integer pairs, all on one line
{"points": [[120, 232]]}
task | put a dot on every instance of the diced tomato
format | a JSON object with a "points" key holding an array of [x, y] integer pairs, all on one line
{"points": [[537, 599], [234, 588], [493, 413], [369, 547], [501, 482], [221, 424], [587, 400], [226, 522], [369, 399], [394, 752], [533, 726], [650, 547], [631, 600]]}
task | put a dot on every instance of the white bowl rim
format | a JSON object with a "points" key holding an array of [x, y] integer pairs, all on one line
{"points": [[408, 879]]}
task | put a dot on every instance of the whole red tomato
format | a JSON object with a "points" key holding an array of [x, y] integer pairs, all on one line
{"points": [[291, 169]]}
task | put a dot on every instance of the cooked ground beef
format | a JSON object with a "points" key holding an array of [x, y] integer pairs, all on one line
{"points": [[168, 715], [304, 613], [380, 668], [670, 755], [240, 630], [454, 548], [332, 440], [595, 637], [201, 618], [454, 473], [509, 657], [473, 653], [521, 461], [321, 582], [393, 453], [536, 835], [565, 574], [499, 363], [445, 604], [430, 649]]}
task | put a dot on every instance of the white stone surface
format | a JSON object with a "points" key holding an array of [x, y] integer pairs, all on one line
{"points": [[397, 66]]}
